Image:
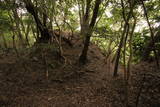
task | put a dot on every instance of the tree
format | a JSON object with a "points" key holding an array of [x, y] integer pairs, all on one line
{"points": [[89, 30], [125, 32], [45, 35], [152, 43]]}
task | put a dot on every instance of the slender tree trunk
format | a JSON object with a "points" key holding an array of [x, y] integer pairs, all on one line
{"points": [[18, 27], [27, 34], [131, 49], [119, 51], [124, 34], [4, 40], [152, 34]]}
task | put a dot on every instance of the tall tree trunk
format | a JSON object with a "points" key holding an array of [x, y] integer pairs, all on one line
{"points": [[148, 47], [119, 50], [17, 21], [85, 18], [27, 33], [88, 34], [124, 34], [45, 35], [151, 32], [130, 48]]}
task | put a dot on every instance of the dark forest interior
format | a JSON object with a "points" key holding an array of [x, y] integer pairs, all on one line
{"points": [[79, 53]]}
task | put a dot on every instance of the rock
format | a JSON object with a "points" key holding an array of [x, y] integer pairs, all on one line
{"points": [[35, 59]]}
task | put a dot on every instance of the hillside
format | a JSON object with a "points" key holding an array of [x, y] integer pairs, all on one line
{"points": [[39, 77]]}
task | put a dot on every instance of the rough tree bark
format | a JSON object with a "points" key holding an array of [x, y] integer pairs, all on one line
{"points": [[84, 13], [45, 35], [88, 34]]}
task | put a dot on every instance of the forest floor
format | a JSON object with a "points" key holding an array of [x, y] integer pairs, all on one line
{"points": [[39, 77]]}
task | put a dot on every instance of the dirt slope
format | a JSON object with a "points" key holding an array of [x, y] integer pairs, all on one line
{"points": [[41, 78]]}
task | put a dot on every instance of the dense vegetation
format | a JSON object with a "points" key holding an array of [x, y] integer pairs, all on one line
{"points": [[127, 32]]}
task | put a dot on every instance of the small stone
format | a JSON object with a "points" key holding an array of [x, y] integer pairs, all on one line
{"points": [[35, 59]]}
